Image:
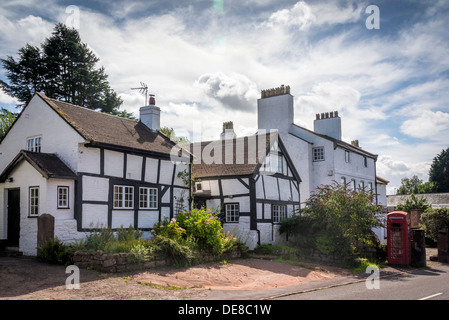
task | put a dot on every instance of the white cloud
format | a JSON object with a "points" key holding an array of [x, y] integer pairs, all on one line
{"points": [[234, 91], [14, 34], [305, 15], [427, 124]]}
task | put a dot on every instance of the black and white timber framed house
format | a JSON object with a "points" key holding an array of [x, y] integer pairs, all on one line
{"points": [[87, 169], [251, 181]]}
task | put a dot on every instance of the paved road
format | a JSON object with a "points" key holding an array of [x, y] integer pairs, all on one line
{"points": [[419, 284]]}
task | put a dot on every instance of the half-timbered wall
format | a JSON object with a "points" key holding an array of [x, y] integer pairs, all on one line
{"points": [[101, 169], [256, 197]]}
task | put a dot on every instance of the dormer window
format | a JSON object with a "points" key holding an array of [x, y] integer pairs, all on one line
{"points": [[34, 144]]}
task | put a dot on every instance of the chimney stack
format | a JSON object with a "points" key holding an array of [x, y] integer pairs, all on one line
{"points": [[151, 115], [355, 143], [329, 124], [275, 109], [228, 131]]}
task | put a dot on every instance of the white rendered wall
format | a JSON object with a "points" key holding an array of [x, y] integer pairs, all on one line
{"points": [[94, 216], [95, 188], [88, 159], [151, 169], [38, 119], [113, 163], [133, 167]]}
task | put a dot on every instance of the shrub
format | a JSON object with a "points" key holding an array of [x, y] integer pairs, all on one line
{"points": [[175, 253], [97, 239], [335, 220], [129, 234], [120, 246], [413, 203], [140, 253], [169, 229], [54, 251], [201, 226], [434, 220], [205, 227]]}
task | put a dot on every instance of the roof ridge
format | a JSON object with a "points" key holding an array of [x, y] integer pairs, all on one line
{"points": [[84, 108]]}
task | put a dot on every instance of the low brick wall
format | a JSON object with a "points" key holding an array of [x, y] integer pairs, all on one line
{"points": [[115, 262], [120, 262]]}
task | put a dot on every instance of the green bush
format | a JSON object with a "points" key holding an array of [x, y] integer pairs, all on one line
{"points": [[201, 226], [97, 239], [140, 252], [174, 252], [205, 227], [434, 220], [413, 203], [169, 229], [129, 234], [334, 220], [54, 251]]}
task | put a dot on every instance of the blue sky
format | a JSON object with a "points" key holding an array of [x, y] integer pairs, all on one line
{"points": [[206, 62]]}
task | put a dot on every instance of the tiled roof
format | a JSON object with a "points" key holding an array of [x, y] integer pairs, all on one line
{"points": [[382, 180], [48, 164], [244, 159], [102, 128], [338, 143]]}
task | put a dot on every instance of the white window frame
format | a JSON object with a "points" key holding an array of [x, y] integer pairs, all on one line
{"points": [[275, 162], [347, 156], [63, 197], [34, 144], [279, 213], [123, 197], [318, 154], [33, 194], [232, 212], [148, 198]]}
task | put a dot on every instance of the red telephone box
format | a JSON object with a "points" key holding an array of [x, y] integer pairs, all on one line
{"points": [[398, 238]]}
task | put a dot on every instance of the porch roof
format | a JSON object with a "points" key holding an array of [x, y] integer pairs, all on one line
{"points": [[48, 164]]}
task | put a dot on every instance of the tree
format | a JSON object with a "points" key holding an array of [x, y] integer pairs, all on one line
{"points": [[415, 185], [409, 186], [6, 120], [439, 171], [64, 69], [170, 133]]}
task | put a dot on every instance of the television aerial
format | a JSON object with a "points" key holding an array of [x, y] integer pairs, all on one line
{"points": [[143, 89]]}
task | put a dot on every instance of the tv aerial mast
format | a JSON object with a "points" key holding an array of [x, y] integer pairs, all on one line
{"points": [[143, 89]]}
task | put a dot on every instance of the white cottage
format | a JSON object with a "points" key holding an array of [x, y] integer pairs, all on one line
{"points": [[251, 180], [88, 170]]}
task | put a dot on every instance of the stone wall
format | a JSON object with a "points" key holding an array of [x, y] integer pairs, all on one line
{"points": [[437, 200], [115, 262], [121, 262]]}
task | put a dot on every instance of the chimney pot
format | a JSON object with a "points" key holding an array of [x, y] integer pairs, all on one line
{"points": [[152, 100]]}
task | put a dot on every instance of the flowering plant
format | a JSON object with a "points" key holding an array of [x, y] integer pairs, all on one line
{"points": [[205, 227], [169, 228]]}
